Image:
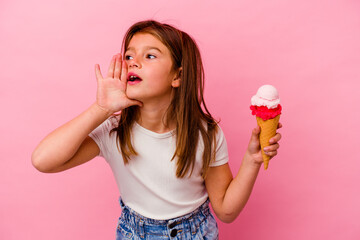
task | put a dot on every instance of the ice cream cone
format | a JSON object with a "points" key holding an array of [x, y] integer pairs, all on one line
{"points": [[268, 130]]}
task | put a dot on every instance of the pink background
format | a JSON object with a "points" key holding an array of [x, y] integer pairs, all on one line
{"points": [[310, 50]]}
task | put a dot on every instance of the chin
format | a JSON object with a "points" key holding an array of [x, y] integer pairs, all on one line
{"points": [[132, 95]]}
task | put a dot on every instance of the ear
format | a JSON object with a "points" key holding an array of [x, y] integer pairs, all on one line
{"points": [[176, 81]]}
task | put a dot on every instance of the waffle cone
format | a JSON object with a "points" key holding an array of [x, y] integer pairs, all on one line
{"points": [[268, 130]]}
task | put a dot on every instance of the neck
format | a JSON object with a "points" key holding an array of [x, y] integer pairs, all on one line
{"points": [[152, 117]]}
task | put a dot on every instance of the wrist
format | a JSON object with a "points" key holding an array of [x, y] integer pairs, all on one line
{"points": [[250, 160], [102, 110]]}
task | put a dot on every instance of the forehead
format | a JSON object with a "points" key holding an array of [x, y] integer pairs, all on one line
{"points": [[145, 40]]}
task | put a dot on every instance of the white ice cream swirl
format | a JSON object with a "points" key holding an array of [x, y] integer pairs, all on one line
{"points": [[267, 95]]}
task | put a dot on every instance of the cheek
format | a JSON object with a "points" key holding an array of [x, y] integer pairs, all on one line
{"points": [[161, 76]]}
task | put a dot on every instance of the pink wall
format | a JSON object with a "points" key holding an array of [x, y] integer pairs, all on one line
{"points": [[310, 50]]}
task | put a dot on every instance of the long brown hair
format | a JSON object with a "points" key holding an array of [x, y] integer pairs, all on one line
{"points": [[187, 107]]}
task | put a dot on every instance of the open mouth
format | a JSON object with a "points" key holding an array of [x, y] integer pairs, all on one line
{"points": [[133, 79]]}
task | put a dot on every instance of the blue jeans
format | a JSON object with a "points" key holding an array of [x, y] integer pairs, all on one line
{"points": [[197, 225]]}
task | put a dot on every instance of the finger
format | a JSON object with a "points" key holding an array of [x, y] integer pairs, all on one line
{"points": [[255, 134], [280, 125], [117, 66], [271, 154], [276, 138], [111, 68], [271, 148], [98, 72], [123, 77]]}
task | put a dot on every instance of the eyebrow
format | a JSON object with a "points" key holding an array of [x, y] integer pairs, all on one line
{"points": [[146, 48]]}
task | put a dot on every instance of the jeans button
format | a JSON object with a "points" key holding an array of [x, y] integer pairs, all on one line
{"points": [[172, 225], [173, 232]]}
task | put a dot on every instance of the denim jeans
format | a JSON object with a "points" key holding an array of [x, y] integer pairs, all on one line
{"points": [[197, 225]]}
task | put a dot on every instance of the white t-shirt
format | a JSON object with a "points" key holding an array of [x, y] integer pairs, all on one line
{"points": [[148, 183]]}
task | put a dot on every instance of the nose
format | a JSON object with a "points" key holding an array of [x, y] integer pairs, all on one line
{"points": [[134, 63]]}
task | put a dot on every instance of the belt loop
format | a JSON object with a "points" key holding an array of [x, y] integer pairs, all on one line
{"points": [[193, 228], [141, 228], [204, 209]]}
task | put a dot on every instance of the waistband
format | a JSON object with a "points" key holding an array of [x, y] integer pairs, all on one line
{"points": [[188, 222]]}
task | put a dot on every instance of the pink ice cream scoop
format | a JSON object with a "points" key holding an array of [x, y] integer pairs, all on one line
{"points": [[266, 103]]}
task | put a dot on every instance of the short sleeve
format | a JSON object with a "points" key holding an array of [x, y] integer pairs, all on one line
{"points": [[222, 156], [101, 135]]}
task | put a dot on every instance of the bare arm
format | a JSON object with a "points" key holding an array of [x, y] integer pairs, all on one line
{"points": [[63, 143], [69, 145], [229, 195]]}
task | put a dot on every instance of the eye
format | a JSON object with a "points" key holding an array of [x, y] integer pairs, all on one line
{"points": [[150, 56], [128, 57]]}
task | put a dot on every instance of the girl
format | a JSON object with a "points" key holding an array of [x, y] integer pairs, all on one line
{"points": [[168, 155]]}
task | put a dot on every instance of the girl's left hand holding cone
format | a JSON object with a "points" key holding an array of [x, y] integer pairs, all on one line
{"points": [[254, 149]]}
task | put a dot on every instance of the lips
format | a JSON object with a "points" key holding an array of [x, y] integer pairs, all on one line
{"points": [[133, 78]]}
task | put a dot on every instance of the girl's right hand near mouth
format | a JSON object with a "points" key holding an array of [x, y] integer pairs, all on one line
{"points": [[111, 91]]}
